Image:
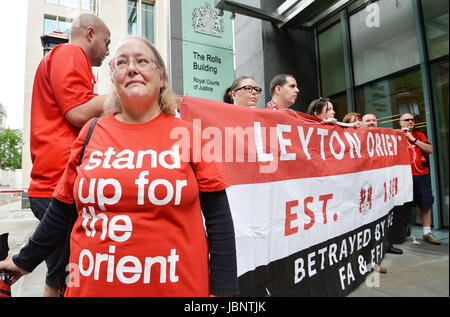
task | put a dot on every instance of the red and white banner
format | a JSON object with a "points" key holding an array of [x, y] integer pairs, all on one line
{"points": [[298, 184]]}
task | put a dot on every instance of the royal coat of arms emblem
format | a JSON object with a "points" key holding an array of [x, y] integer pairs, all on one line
{"points": [[207, 21]]}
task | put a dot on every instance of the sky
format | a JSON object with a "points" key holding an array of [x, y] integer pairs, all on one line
{"points": [[13, 23]]}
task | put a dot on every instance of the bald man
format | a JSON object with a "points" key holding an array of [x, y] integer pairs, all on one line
{"points": [[65, 97], [418, 147]]}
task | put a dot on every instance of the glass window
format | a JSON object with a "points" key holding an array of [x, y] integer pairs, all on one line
{"points": [[87, 5], [148, 24], [340, 105], [132, 17], [57, 24], [49, 24], [389, 98], [64, 26], [435, 15], [439, 76], [52, 1], [384, 40], [332, 66], [329, 22], [145, 17]]}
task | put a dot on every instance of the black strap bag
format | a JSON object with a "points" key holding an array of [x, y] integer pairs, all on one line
{"points": [[73, 217]]}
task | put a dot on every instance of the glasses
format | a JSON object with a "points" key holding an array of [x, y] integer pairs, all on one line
{"points": [[409, 120], [122, 63], [250, 89]]}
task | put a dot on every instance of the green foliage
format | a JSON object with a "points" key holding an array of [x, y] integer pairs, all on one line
{"points": [[11, 148]]}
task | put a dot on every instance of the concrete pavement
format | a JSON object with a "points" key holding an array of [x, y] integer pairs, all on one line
{"points": [[20, 224], [421, 271]]}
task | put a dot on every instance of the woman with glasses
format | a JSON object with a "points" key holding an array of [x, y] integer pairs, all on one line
{"points": [[139, 230], [322, 108], [243, 92]]}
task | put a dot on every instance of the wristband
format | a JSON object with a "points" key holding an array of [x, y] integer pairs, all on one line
{"points": [[414, 142]]}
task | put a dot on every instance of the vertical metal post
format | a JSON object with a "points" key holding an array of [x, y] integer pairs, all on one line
{"points": [[429, 109], [349, 80], [319, 73]]}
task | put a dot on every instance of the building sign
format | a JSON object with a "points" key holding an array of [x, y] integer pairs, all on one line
{"points": [[208, 62], [207, 70]]}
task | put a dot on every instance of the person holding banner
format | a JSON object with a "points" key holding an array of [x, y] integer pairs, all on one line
{"points": [[140, 193], [243, 92], [418, 147], [322, 108], [353, 117], [369, 121], [284, 92]]}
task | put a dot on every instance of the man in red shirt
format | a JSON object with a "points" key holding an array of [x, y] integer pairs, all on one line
{"points": [[64, 98], [418, 145]]}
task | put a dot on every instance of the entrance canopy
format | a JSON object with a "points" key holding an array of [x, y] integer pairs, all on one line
{"points": [[305, 14]]}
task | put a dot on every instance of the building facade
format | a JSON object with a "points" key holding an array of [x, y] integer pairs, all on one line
{"points": [[384, 57]]}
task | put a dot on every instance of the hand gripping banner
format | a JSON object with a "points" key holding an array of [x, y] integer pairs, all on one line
{"points": [[312, 204]]}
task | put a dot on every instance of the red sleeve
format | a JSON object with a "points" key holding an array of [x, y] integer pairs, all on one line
{"points": [[422, 137], [210, 177], [64, 189], [71, 77]]}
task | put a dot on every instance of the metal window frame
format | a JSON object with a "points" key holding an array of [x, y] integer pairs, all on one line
{"points": [[56, 18], [430, 112], [139, 14], [348, 59]]}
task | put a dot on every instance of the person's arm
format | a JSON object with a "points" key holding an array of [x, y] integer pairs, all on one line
{"points": [[425, 147], [221, 243], [52, 229], [79, 115]]}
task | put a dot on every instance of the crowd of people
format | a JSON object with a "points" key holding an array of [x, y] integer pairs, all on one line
{"points": [[284, 92], [65, 100]]}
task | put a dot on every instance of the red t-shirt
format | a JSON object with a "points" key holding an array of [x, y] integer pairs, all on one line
{"points": [[139, 230], [63, 80], [416, 156]]}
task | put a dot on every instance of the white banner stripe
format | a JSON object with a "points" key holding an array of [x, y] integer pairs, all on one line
{"points": [[273, 220]]}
